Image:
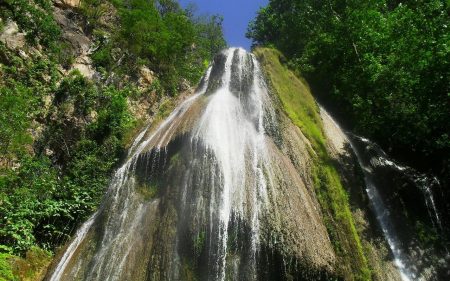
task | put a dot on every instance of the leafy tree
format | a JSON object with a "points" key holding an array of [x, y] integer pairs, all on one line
{"points": [[382, 65], [35, 18]]}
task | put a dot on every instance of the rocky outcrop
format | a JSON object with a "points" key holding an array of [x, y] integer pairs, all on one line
{"points": [[78, 44], [84, 65], [376, 249], [146, 79], [381, 191], [67, 3], [12, 37]]}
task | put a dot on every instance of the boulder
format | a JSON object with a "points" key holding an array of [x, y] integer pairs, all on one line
{"points": [[67, 3], [146, 78], [84, 65], [11, 37]]}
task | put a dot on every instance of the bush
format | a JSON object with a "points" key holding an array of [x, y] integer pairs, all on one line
{"points": [[44, 199], [35, 19]]}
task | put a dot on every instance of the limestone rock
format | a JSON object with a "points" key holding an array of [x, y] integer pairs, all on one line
{"points": [[11, 37], [84, 65], [72, 33], [67, 3], [146, 78], [79, 44], [184, 85]]}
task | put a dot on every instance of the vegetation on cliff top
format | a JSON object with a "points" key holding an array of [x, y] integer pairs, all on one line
{"points": [[173, 42], [383, 65]]}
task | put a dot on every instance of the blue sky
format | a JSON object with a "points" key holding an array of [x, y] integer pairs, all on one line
{"points": [[237, 14]]}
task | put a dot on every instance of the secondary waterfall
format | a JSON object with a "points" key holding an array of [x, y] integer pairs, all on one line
{"points": [[381, 174], [206, 195]]}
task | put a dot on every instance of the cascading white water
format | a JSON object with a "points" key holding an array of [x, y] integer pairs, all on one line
{"points": [[230, 135], [234, 132], [423, 181], [118, 189]]}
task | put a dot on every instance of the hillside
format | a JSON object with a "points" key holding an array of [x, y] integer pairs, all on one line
{"points": [[75, 85]]}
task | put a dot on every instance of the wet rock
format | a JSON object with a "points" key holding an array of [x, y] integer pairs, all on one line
{"points": [[220, 190]]}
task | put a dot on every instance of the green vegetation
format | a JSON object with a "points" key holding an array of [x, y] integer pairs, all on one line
{"points": [[30, 268], [62, 134], [34, 17], [199, 242], [188, 270], [148, 191], [383, 65], [300, 107], [160, 34], [58, 182]]}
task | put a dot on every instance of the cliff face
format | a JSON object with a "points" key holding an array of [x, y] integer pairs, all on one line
{"points": [[247, 179], [221, 190], [66, 122]]}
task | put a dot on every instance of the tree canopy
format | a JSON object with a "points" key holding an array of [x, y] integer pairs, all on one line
{"points": [[382, 65]]}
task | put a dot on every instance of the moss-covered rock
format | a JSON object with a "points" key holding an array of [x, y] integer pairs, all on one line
{"points": [[299, 105], [30, 268]]}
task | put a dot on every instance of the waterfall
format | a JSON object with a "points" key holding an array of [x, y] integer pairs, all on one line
{"points": [[232, 131], [373, 162], [383, 217], [206, 193], [118, 204], [220, 190]]}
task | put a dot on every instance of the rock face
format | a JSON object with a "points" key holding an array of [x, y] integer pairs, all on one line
{"points": [[78, 44], [218, 191]]}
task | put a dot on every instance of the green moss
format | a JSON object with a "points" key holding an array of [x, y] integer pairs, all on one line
{"points": [[295, 97], [188, 270], [165, 109], [130, 133], [30, 268], [6, 271], [199, 242], [175, 160], [148, 191], [427, 235], [300, 106]]}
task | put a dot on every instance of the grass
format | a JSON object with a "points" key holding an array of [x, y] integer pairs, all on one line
{"points": [[300, 106], [6, 271], [31, 268]]}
